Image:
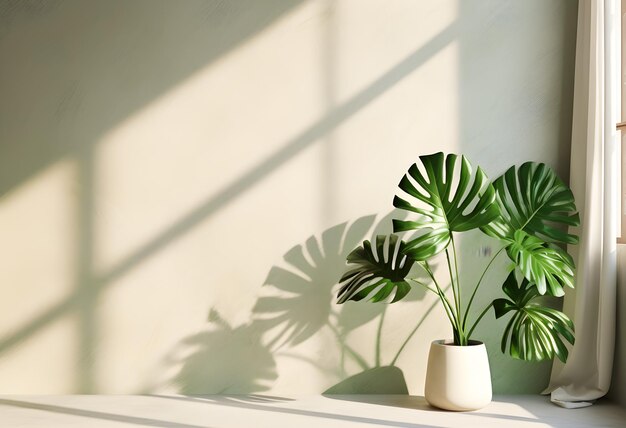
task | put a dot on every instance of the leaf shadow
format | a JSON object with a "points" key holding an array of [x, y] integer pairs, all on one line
{"points": [[298, 298], [225, 360], [296, 301]]}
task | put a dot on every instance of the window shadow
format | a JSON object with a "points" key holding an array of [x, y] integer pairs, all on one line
{"points": [[237, 402], [16, 162], [94, 63], [90, 414], [402, 401], [71, 79]]}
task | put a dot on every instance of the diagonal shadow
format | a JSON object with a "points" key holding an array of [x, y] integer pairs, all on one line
{"points": [[79, 80], [69, 88], [97, 415], [227, 401], [329, 122], [232, 191]]}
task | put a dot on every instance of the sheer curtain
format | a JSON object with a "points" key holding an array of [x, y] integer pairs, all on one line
{"points": [[594, 180]]}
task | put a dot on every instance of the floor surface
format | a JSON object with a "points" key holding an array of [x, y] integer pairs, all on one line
{"points": [[316, 411]]}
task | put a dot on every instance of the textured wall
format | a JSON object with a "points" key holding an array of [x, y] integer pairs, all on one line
{"points": [[180, 181]]}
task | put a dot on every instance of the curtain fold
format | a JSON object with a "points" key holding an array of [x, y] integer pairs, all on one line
{"points": [[594, 180]]}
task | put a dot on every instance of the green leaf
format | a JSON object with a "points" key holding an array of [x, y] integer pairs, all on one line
{"points": [[378, 272], [548, 267], [532, 198], [449, 199], [534, 332]]}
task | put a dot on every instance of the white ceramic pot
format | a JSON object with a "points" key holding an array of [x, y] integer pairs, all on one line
{"points": [[458, 377]]}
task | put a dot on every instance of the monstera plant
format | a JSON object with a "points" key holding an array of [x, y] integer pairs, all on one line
{"points": [[528, 210]]}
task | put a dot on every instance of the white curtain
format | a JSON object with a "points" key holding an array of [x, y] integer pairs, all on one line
{"points": [[594, 180]]}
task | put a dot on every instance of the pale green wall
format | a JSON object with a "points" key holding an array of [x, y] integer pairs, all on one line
{"points": [[160, 161]]}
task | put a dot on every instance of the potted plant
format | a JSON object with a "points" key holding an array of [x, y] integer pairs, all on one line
{"points": [[527, 210]]}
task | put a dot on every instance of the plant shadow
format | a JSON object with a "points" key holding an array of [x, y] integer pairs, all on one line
{"points": [[378, 380], [296, 302], [405, 401], [225, 360]]}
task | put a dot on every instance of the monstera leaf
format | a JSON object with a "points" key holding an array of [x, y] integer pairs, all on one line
{"points": [[548, 267], [535, 332], [533, 199], [451, 200], [380, 270]]}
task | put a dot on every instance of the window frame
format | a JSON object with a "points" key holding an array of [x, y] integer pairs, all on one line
{"points": [[621, 126]]}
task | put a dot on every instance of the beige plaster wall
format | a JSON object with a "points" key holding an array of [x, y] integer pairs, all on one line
{"points": [[160, 161]]}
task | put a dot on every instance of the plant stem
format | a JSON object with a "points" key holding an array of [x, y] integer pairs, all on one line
{"points": [[454, 293], [446, 304], [469, 304], [458, 337], [482, 314], [458, 286], [462, 337], [378, 335], [424, 285]]}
